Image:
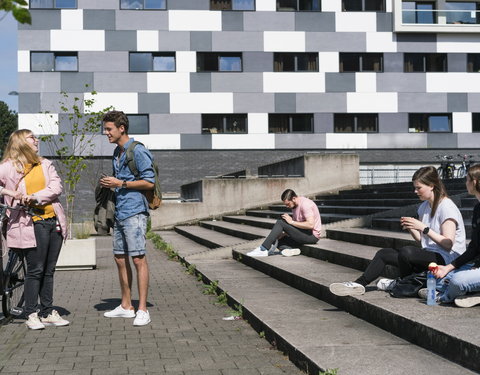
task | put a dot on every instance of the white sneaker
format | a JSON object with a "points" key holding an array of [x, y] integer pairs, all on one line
{"points": [[423, 293], [386, 284], [54, 319], [468, 300], [290, 252], [142, 318], [120, 312], [258, 252], [348, 288], [33, 322]]}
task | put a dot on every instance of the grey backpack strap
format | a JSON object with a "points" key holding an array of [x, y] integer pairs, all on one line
{"points": [[130, 159]]}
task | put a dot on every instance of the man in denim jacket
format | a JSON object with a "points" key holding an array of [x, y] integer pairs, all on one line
{"points": [[131, 214]]}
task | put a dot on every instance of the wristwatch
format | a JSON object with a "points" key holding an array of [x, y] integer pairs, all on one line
{"points": [[124, 184], [426, 230]]}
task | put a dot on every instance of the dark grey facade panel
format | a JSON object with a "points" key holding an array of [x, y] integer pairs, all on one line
{"points": [[315, 21], [98, 19], [442, 140], [419, 42], [76, 82], [237, 82], [175, 123], [188, 4], [201, 82], [253, 102], [29, 102], [384, 22], [322, 102], [457, 62], [340, 82], [201, 41], [333, 42], [457, 102], [422, 102], [196, 141], [121, 40], [323, 123], [469, 140], [285, 103], [174, 41], [473, 102], [402, 82], [153, 103], [120, 82], [43, 19], [269, 21], [33, 40], [232, 21], [299, 141], [257, 61], [393, 62], [393, 123], [141, 20]]}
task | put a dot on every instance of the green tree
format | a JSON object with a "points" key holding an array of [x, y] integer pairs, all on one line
{"points": [[8, 124], [20, 13]]}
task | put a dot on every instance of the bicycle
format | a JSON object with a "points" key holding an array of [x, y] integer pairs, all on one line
{"points": [[447, 168], [466, 163]]}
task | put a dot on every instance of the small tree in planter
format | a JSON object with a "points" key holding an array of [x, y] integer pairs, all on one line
{"points": [[74, 143]]}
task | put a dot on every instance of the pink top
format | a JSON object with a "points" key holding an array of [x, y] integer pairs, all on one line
{"points": [[20, 232], [307, 208]]}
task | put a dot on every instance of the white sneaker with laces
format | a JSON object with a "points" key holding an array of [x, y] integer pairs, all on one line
{"points": [[290, 252], [348, 288], [386, 284], [120, 312], [422, 293], [258, 252], [54, 319], [142, 318], [468, 300], [33, 322]]}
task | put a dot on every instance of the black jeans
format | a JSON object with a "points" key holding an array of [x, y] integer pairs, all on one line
{"points": [[409, 259], [295, 236], [41, 261]]}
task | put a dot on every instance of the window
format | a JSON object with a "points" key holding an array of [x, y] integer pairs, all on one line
{"points": [[429, 122], [138, 124], [476, 122], [473, 62], [232, 4], [355, 123], [425, 62], [299, 5], [152, 61], [295, 62], [53, 4], [143, 4], [419, 12], [361, 62], [219, 62], [226, 124], [462, 12], [290, 123], [363, 5], [54, 62]]}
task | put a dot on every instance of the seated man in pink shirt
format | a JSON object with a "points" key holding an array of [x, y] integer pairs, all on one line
{"points": [[290, 232]]}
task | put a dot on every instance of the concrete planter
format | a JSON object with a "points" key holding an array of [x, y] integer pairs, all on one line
{"points": [[78, 255]]}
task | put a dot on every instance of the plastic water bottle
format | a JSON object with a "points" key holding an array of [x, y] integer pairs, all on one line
{"points": [[431, 289]]}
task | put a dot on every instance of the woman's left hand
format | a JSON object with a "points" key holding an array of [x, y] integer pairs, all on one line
{"points": [[27, 199], [412, 224]]}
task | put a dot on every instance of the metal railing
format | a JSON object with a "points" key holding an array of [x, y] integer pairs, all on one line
{"points": [[384, 175]]}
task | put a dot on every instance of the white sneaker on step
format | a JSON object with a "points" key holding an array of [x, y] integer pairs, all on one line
{"points": [[348, 288], [258, 252], [468, 300], [290, 252], [386, 284]]}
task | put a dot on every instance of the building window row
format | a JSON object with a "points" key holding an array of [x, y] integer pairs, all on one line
{"points": [[451, 12]]}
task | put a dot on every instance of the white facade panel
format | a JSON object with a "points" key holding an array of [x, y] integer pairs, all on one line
{"points": [[124, 101], [77, 40], [461, 122], [39, 123], [365, 82], [284, 41], [388, 6], [458, 43], [168, 82], [201, 102], [194, 20], [243, 141], [453, 82], [329, 62], [159, 141], [381, 42], [266, 5], [331, 6], [257, 123], [356, 21], [346, 140], [72, 19], [293, 82], [381, 102], [23, 61], [147, 40], [186, 61]]}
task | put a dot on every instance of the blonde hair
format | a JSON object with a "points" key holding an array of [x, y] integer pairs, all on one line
{"points": [[19, 151]]}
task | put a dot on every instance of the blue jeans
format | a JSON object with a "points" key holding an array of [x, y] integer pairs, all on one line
{"points": [[459, 282], [129, 235]]}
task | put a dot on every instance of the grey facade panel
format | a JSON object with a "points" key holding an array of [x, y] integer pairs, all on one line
{"points": [[196, 141], [422, 102], [188, 5], [257, 61], [201, 41], [104, 148], [253, 103], [392, 141], [384, 22], [153, 103], [77, 82], [95, 4], [402, 82], [120, 40], [285, 103], [141, 20], [468, 140], [43, 19], [327, 102], [336, 42], [340, 82], [444, 140], [38, 40], [393, 62], [457, 102], [457, 62], [473, 102], [420, 42], [297, 141], [201, 82], [237, 82], [237, 41], [323, 122], [175, 123], [269, 21], [109, 61], [120, 82], [53, 101], [393, 122], [98, 19], [232, 21], [315, 21], [174, 41], [29, 103], [31, 82]]}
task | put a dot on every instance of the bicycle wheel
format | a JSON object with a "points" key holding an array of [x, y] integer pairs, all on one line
{"points": [[440, 172], [461, 172], [13, 281]]}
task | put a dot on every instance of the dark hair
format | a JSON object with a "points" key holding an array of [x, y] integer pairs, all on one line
{"points": [[429, 176], [474, 174], [118, 118], [288, 195]]}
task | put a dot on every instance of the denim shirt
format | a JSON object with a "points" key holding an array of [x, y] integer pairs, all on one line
{"points": [[130, 202]]}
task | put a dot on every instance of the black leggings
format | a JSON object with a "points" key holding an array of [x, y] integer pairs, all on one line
{"points": [[295, 236], [409, 259]]}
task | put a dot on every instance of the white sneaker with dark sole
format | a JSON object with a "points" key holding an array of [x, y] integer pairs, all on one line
{"points": [[468, 300], [348, 288], [290, 252]]}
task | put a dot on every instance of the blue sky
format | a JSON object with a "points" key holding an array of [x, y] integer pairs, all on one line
{"points": [[8, 60]]}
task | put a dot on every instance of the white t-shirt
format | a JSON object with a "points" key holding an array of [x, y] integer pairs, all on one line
{"points": [[446, 210]]}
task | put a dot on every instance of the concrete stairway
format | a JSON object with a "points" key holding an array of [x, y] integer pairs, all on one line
{"points": [[288, 298]]}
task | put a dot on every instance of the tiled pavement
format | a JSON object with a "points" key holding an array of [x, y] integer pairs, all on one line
{"points": [[187, 335]]}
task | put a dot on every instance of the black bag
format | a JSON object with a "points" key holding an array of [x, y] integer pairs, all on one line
{"points": [[409, 286]]}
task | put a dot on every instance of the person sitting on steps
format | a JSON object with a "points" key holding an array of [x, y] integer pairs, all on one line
{"points": [[290, 232]]}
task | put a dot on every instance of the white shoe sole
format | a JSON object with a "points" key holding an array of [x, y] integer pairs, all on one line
{"points": [[119, 315], [139, 324], [339, 289], [258, 255], [290, 252], [56, 324], [467, 301], [35, 328]]}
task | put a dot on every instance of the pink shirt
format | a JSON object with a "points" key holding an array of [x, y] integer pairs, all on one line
{"points": [[307, 208]]}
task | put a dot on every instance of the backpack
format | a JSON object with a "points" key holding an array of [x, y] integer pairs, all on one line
{"points": [[154, 197], [409, 285]]}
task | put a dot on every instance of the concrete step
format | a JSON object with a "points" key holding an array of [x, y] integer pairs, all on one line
{"points": [[393, 224], [259, 222], [410, 319], [353, 210], [371, 237], [245, 232], [207, 237]]}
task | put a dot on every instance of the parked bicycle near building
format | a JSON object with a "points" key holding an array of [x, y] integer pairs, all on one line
{"points": [[447, 167], [467, 161]]}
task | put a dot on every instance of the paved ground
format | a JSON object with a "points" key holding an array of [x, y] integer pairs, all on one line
{"points": [[187, 335]]}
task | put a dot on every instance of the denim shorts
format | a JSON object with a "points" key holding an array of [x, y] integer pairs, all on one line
{"points": [[129, 235]]}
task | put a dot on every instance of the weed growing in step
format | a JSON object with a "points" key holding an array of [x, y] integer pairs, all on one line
{"points": [[237, 310], [329, 371], [222, 299], [199, 277], [191, 269], [160, 244], [262, 334], [211, 288]]}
